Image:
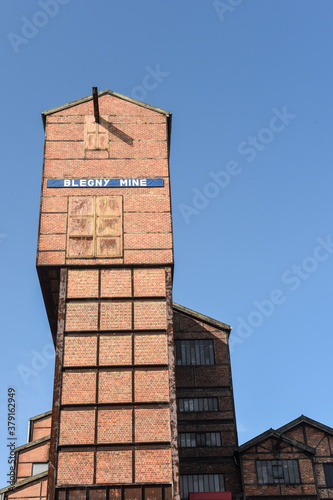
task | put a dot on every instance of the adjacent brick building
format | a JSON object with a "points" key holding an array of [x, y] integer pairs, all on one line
{"points": [[143, 402], [292, 462]]}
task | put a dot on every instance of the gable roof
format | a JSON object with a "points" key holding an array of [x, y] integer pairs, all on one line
{"points": [[201, 317], [307, 420], [31, 444], [279, 433], [272, 433], [41, 415], [24, 482], [100, 94]]}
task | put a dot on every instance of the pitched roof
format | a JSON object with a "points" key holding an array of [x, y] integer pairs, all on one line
{"points": [[307, 420], [272, 433], [279, 433], [100, 94], [201, 317], [41, 415], [24, 482], [31, 444]]}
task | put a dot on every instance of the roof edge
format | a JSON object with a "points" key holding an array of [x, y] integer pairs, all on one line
{"points": [[257, 439], [41, 415], [30, 479], [100, 94], [278, 435], [202, 317], [310, 421], [31, 444]]}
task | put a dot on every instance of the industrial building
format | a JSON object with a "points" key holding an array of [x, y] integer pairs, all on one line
{"points": [[143, 404]]}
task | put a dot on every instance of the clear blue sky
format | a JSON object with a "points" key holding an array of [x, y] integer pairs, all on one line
{"points": [[250, 89]]}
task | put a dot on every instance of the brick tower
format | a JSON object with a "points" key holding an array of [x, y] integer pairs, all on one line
{"points": [[105, 262]]}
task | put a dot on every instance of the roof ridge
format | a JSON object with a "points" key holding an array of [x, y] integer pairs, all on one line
{"points": [[201, 317], [100, 94]]}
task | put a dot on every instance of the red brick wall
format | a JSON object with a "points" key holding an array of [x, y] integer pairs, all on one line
{"points": [[30, 455], [40, 428], [115, 349], [322, 442], [155, 464], [152, 424], [80, 350], [115, 426], [114, 466], [265, 452], [146, 344], [135, 146], [78, 387], [114, 360], [115, 380], [75, 467], [77, 427], [37, 490]]}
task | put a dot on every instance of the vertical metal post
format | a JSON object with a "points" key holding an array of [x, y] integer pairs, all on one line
{"points": [[96, 107]]}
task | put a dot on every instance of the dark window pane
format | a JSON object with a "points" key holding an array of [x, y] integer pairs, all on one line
{"points": [[194, 352], [328, 468], [200, 483], [278, 472], [211, 482], [197, 404], [178, 353], [197, 353]]}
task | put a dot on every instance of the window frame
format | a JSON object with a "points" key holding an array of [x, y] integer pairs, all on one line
{"points": [[328, 471], [266, 474], [202, 483], [39, 463], [194, 352], [192, 439], [188, 405]]}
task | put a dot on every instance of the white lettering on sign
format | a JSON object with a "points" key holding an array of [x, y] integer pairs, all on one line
{"points": [[110, 183]]}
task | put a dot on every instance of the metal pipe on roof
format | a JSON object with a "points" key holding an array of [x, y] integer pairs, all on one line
{"points": [[95, 99]]}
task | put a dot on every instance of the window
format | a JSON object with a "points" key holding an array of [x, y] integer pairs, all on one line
{"points": [[39, 467], [278, 471], [194, 352], [194, 439], [328, 468], [196, 483], [197, 404]]}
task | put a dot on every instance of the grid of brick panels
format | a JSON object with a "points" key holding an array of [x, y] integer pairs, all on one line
{"points": [[145, 234], [115, 413]]}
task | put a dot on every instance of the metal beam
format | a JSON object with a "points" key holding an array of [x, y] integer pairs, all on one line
{"points": [[96, 108]]}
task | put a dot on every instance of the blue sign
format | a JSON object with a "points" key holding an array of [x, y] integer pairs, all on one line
{"points": [[103, 183]]}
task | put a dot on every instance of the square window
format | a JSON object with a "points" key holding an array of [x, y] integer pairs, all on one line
{"points": [[39, 467]]}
